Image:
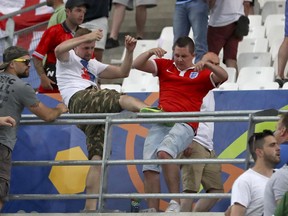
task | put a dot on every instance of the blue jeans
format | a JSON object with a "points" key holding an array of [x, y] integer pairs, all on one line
{"points": [[192, 14]]}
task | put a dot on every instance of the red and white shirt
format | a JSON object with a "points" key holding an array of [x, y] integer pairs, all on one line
{"points": [[182, 91]]}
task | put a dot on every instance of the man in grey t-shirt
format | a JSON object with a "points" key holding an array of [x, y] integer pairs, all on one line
{"points": [[14, 96], [277, 185]]}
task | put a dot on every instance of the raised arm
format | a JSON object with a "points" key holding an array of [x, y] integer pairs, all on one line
{"points": [[143, 63], [62, 50], [124, 70], [211, 61]]}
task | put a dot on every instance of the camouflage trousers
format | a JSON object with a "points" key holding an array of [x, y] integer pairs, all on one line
{"points": [[94, 101]]}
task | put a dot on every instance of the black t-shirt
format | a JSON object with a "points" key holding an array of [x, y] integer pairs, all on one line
{"points": [[97, 9]]}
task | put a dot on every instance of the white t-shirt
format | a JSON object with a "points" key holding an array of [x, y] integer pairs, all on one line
{"points": [[248, 190], [206, 129], [72, 75], [226, 12]]}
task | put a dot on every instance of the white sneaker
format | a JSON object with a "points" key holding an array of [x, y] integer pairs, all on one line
{"points": [[173, 207]]}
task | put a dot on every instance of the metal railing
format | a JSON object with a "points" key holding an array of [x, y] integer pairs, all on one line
{"points": [[9, 38], [252, 117]]}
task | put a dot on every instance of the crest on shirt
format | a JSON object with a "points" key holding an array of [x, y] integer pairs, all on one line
{"points": [[193, 75]]}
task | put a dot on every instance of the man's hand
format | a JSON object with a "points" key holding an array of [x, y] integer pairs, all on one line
{"points": [[7, 121], [130, 43], [46, 83], [62, 107], [95, 35], [188, 151], [159, 52]]}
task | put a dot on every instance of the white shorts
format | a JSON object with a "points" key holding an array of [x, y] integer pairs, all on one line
{"points": [[130, 3], [172, 140], [100, 23]]}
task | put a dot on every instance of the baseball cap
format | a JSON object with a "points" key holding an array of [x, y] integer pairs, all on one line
{"points": [[76, 3], [12, 53]]}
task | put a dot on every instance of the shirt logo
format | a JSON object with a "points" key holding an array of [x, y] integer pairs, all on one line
{"points": [[193, 75]]}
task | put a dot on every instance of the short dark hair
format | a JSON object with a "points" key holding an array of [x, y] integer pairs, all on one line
{"points": [[256, 141], [82, 31], [183, 42], [284, 120]]}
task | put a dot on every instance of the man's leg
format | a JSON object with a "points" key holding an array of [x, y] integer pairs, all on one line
{"points": [[282, 58], [171, 174], [140, 17], [152, 185], [117, 19], [205, 205], [131, 104], [92, 184]]}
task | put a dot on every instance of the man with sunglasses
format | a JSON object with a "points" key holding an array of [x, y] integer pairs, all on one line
{"points": [[248, 190], [14, 96]]}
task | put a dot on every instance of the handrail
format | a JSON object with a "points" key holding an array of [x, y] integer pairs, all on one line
{"points": [[133, 118], [24, 10]]}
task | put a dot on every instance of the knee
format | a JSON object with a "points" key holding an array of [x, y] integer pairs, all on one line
{"points": [[163, 155]]}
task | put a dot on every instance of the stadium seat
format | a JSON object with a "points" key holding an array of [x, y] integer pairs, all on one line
{"points": [[140, 88], [259, 86], [116, 87], [228, 86], [275, 45], [253, 45], [142, 46], [261, 59], [255, 20], [272, 7], [256, 32], [232, 74], [276, 32], [272, 20], [139, 81], [258, 76]]}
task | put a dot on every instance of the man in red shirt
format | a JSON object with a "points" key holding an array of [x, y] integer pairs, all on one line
{"points": [[52, 37], [183, 85]]}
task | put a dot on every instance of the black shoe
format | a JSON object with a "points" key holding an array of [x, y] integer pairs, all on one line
{"points": [[111, 43], [280, 82]]}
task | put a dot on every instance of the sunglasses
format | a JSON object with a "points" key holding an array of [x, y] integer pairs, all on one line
{"points": [[25, 61]]}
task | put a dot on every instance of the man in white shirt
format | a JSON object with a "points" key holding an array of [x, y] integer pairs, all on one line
{"points": [[248, 189]]}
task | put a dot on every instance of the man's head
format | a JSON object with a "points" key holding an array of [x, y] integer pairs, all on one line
{"points": [[183, 50], [54, 3], [75, 11], [264, 146], [281, 133], [16, 60], [84, 50]]}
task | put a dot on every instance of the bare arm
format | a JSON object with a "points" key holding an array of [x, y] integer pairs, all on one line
{"points": [[211, 61], [246, 7], [238, 210], [7, 121], [112, 72], [143, 63], [46, 113], [62, 50], [46, 83]]}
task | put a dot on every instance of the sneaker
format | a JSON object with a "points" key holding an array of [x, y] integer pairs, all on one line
{"points": [[111, 43], [280, 82], [173, 207], [156, 110]]}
